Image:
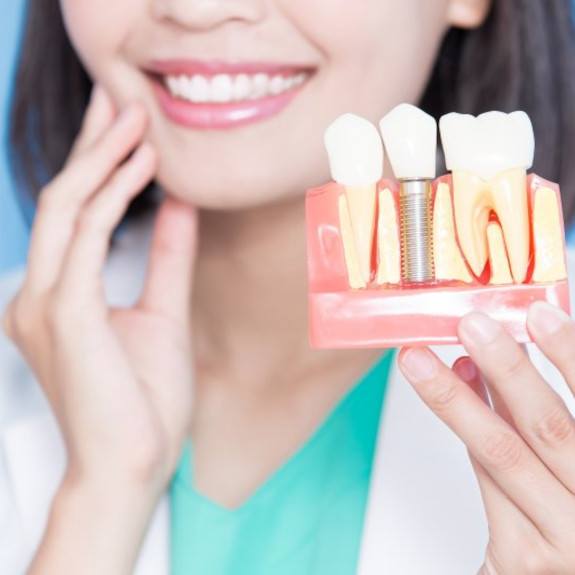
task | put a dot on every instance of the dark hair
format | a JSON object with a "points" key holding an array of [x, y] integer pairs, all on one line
{"points": [[522, 57]]}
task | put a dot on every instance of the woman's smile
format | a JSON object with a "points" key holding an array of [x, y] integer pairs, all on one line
{"points": [[221, 95]]}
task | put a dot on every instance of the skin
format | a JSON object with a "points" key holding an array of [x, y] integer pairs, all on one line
{"points": [[249, 366]]}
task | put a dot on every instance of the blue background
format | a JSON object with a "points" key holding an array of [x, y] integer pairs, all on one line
{"points": [[13, 230]]}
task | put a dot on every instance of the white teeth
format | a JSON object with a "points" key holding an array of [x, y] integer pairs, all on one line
{"points": [[242, 87], [224, 88], [487, 144], [277, 85], [355, 151], [221, 88], [410, 137], [199, 89], [260, 86]]}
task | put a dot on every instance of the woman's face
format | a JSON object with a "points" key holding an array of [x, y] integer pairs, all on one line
{"points": [[256, 82]]}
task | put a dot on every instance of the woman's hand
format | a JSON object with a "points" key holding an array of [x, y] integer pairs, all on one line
{"points": [[119, 380], [523, 448]]}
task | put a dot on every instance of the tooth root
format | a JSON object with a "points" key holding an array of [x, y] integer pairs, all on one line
{"points": [[547, 238], [351, 259], [472, 208], [388, 248], [509, 193], [506, 194], [361, 201], [499, 264], [449, 264]]}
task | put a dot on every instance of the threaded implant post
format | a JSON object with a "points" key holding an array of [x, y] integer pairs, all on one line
{"points": [[416, 213]]}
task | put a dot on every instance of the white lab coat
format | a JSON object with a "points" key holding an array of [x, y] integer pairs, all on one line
{"points": [[424, 513]]}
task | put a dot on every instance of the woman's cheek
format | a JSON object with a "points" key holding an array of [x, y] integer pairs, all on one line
{"points": [[98, 32], [371, 48]]}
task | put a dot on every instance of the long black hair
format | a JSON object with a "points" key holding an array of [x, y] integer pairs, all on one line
{"points": [[522, 57]]}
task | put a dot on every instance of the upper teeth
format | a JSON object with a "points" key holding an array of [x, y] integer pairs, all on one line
{"points": [[487, 144], [410, 137], [224, 88]]}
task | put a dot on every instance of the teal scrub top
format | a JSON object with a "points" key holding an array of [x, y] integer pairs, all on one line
{"points": [[306, 519]]}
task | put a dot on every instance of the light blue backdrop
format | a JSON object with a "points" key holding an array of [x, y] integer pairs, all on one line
{"points": [[13, 230]]}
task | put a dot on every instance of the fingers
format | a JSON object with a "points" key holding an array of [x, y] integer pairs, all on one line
{"points": [[554, 332], [169, 281], [62, 200], [99, 117], [467, 371], [504, 518], [537, 411], [81, 271], [506, 521], [518, 472]]}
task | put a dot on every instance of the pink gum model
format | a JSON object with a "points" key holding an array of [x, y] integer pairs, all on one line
{"points": [[381, 316]]}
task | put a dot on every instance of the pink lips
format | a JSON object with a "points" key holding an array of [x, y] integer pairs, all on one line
{"points": [[220, 116]]}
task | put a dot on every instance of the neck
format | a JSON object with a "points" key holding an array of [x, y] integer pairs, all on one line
{"points": [[250, 292], [250, 298]]}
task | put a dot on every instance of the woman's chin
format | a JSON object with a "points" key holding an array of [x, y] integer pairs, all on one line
{"points": [[210, 195]]}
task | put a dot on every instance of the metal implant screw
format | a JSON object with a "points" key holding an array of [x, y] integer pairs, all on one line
{"points": [[416, 213]]}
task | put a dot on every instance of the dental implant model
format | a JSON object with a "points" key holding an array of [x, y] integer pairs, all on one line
{"points": [[394, 262], [410, 137]]}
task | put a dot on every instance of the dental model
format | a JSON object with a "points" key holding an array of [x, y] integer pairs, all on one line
{"points": [[356, 159], [410, 138], [394, 262]]}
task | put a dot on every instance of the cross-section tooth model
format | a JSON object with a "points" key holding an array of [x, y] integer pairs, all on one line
{"points": [[356, 160], [393, 262], [489, 157]]}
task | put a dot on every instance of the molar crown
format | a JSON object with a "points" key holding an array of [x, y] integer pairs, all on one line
{"points": [[355, 151], [488, 144]]}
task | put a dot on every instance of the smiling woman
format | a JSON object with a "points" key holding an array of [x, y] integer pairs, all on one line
{"points": [[176, 363]]}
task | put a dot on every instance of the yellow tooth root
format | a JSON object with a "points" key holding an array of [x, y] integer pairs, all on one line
{"points": [[388, 249], [449, 263], [361, 203], [351, 260], [498, 262], [474, 199], [547, 238]]}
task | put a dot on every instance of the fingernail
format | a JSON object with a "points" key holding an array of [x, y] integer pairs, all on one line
{"points": [[545, 318], [480, 328], [419, 364], [466, 370]]}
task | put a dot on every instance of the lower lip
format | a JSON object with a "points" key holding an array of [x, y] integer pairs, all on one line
{"points": [[221, 116]]}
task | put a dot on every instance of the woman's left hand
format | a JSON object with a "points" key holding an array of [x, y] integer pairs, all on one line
{"points": [[523, 447]]}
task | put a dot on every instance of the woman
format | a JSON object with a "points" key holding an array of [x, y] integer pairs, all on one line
{"points": [[268, 469]]}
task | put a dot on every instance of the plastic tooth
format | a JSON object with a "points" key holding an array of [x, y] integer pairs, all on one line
{"points": [[489, 156], [548, 237], [356, 160]]}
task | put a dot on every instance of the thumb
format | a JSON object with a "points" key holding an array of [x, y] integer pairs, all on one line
{"points": [[169, 280]]}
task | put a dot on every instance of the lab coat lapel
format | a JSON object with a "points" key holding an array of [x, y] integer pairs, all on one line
{"points": [[424, 512], [35, 461]]}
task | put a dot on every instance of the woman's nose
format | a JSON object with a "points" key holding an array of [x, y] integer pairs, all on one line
{"points": [[207, 14]]}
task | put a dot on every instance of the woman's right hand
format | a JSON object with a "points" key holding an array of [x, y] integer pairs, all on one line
{"points": [[119, 380]]}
